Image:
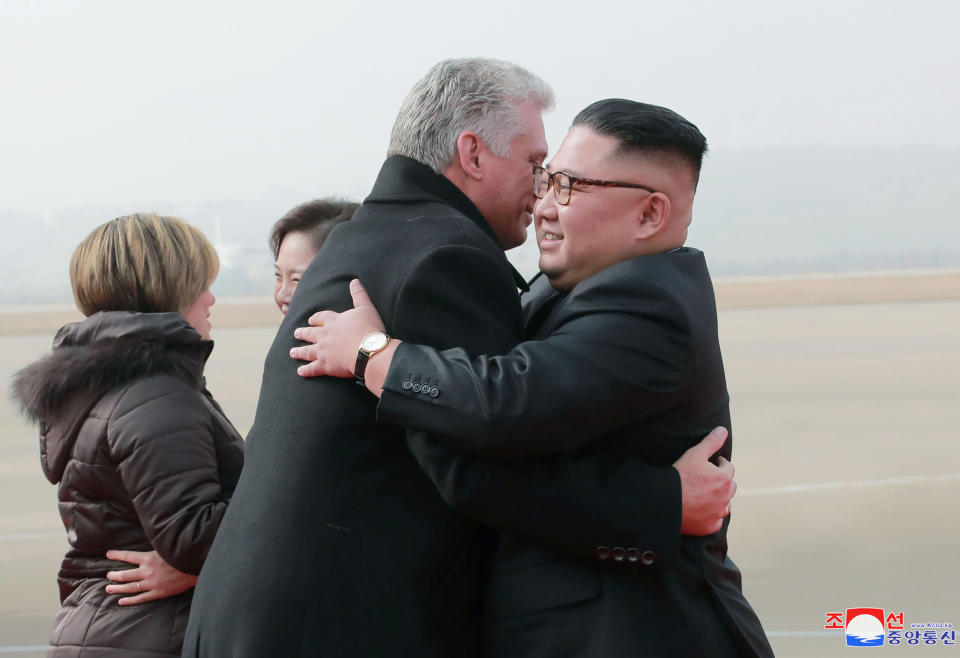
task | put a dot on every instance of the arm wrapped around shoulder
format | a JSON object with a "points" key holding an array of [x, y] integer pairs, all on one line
{"points": [[620, 356], [571, 503]]}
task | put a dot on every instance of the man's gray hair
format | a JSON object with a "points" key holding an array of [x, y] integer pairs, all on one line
{"points": [[482, 95]]}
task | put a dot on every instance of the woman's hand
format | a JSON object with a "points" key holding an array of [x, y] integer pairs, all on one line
{"points": [[152, 579], [336, 337]]}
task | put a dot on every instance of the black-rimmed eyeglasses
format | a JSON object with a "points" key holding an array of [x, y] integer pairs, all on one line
{"points": [[563, 184]]}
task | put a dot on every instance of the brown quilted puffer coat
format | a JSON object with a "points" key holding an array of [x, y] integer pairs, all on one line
{"points": [[145, 459]]}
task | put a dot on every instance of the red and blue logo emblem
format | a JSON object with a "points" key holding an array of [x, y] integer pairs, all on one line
{"points": [[864, 627]]}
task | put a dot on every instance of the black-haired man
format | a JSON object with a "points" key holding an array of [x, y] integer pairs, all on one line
{"points": [[622, 343], [337, 541]]}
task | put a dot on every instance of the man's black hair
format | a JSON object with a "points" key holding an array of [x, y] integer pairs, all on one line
{"points": [[646, 130]]}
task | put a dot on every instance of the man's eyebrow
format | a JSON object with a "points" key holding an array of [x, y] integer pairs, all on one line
{"points": [[565, 170]]}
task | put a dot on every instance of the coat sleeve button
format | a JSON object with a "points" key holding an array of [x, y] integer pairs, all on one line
{"points": [[407, 384], [417, 388], [619, 554], [434, 391], [603, 552], [633, 555], [648, 558]]}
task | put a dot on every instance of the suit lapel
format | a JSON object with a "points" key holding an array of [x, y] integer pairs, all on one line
{"points": [[539, 304]]}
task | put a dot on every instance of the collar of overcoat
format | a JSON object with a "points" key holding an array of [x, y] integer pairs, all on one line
{"points": [[540, 302], [404, 180]]}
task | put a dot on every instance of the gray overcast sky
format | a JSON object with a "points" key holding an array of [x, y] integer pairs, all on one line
{"points": [[107, 101]]}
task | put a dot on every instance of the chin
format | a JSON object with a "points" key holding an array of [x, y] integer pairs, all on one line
{"points": [[563, 285], [515, 241], [550, 272], [559, 279], [552, 277]]}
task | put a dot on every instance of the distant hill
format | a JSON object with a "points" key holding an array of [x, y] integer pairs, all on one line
{"points": [[777, 211]]}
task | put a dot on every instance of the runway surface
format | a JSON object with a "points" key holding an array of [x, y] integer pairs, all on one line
{"points": [[845, 424]]}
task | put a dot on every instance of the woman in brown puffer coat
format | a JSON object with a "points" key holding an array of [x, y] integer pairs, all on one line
{"points": [[144, 457]]}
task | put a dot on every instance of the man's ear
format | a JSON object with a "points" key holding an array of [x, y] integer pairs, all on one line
{"points": [[654, 215], [469, 147]]}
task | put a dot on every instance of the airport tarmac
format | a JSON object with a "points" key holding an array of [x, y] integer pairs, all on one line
{"points": [[845, 445]]}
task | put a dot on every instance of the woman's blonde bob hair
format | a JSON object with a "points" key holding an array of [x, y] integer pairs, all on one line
{"points": [[142, 262]]}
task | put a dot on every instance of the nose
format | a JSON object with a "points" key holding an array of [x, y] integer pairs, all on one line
{"points": [[545, 208], [281, 293], [286, 292]]}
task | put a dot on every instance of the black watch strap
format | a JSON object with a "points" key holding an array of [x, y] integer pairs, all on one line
{"points": [[360, 366]]}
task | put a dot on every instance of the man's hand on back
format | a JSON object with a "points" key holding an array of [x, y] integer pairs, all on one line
{"points": [[706, 490]]}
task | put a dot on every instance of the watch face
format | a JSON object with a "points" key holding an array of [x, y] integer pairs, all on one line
{"points": [[373, 342]]}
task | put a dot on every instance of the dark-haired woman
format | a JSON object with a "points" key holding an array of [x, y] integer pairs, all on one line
{"points": [[297, 237]]}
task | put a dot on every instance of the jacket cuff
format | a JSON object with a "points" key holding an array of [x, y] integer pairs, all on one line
{"points": [[408, 390]]}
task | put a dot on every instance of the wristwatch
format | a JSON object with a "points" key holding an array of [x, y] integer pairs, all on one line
{"points": [[371, 344]]}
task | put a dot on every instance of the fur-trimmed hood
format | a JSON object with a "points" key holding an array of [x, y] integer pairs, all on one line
{"points": [[90, 358]]}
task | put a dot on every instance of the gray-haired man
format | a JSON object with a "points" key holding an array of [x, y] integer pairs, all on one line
{"points": [[336, 543]]}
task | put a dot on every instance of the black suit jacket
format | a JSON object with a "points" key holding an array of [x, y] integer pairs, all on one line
{"points": [[627, 365], [339, 540]]}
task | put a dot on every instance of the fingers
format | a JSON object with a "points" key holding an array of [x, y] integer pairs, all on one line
{"points": [[364, 308], [321, 318], [137, 590], [726, 470], [711, 443], [304, 353], [359, 294], [313, 369], [317, 366], [125, 576], [715, 439], [135, 587], [139, 598], [726, 467], [133, 557], [308, 334]]}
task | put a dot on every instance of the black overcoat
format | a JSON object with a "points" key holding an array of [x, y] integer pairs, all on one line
{"points": [[336, 542], [628, 364]]}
